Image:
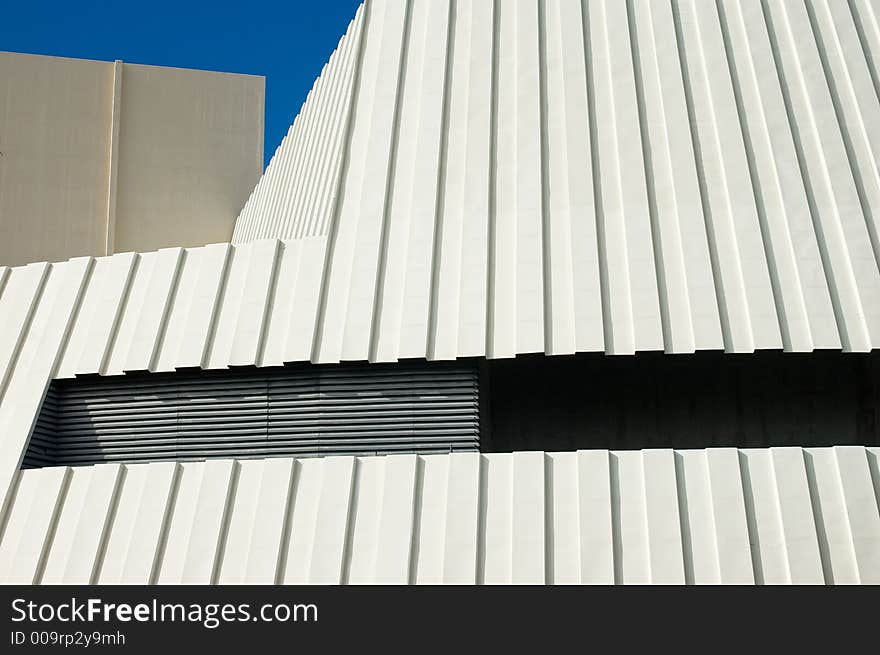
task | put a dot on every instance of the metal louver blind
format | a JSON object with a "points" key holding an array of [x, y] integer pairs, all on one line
{"points": [[299, 410]]}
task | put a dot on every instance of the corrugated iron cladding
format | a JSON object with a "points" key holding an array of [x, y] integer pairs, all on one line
{"points": [[766, 516], [509, 176]]}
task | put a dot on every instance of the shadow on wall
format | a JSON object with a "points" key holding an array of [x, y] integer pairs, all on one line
{"points": [[653, 400]]}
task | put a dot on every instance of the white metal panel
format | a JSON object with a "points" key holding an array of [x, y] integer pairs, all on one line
{"points": [[331, 528], [296, 196], [792, 244], [189, 327], [98, 316], [180, 298], [721, 230], [697, 518], [399, 496], [577, 176], [366, 513], [31, 522], [230, 306], [627, 205], [325, 191], [596, 499], [462, 525], [446, 538], [303, 517], [867, 18], [129, 319], [207, 291], [136, 539], [316, 133], [664, 526], [528, 522], [516, 287], [863, 516], [18, 301], [269, 195], [796, 514], [784, 274], [405, 287], [565, 546], [874, 467], [769, 552], [735, 197], [302, 332], [36, 364], [460, 268], [573, 283], [633, 556], [349, 294], [841, 226], [729, 520], [257, 522], [238, 334], [280, 311], [688, 303], [476, 169], [144, 320], [431, 517], [247, 341], [197, 526], [725, 516], [617, 308], [293, 307], [756, 144], [382, 515], [79, 539], [832, 522], [495, 567], [854, 94], [274, 192]]}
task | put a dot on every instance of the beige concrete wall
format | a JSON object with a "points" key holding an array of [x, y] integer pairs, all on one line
{"points": [[100, 157], [54, 118], [190, 152]]}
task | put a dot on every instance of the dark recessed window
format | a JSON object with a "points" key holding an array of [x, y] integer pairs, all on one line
{"points": [[703, 400], [301, 410], [649, 400]]}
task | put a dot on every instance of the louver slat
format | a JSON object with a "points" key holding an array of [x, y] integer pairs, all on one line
{"points": [[301, 410]]}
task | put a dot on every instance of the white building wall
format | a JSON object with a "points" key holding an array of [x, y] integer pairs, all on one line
{"points": [[580, 175], [716, 516], [699, 177]]}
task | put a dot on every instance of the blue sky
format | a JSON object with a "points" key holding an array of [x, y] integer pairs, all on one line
{"points": [[287, 42]]}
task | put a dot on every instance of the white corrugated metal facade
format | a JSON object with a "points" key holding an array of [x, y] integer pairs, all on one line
{"points": [[587, 175], [771, 516], [486, 179]]}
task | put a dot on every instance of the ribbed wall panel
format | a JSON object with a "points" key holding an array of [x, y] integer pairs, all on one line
{"points": [[550, 175], [458, 302], [20, 296], [38, 345], [348, 303], [563, 176], [716, 516], [296, 195], [98, 318], [841, 230]]}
